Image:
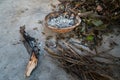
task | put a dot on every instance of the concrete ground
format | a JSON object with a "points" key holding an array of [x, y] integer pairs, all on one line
{"points": [[13, 55]]}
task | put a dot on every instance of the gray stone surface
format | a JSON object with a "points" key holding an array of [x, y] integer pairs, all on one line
{"points": [[13, 55]]}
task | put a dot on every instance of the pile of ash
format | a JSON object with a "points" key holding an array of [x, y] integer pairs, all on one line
{"points": [[62, 21]]}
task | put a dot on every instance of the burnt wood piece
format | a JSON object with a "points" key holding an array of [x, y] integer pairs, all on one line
{"points": [[32, 48]]}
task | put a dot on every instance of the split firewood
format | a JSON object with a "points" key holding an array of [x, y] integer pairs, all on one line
{"points": [[31, 65], [32, 48]]}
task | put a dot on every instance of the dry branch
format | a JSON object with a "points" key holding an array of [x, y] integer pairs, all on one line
{"points": [[32, 48]]}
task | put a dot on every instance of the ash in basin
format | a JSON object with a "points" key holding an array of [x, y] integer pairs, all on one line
{"points": [[62, 21]]}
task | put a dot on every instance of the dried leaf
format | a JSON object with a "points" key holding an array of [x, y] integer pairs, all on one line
{"points": [[102, 27], [97, 22], [99, 8]]}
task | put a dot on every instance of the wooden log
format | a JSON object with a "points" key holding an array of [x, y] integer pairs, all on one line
{"points": [[33, 50]]}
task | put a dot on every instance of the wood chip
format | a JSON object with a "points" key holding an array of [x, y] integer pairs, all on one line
{"points": [[31, 65]]}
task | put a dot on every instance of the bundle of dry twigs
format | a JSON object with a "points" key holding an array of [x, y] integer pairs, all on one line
{"points": [[83, 66]]}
